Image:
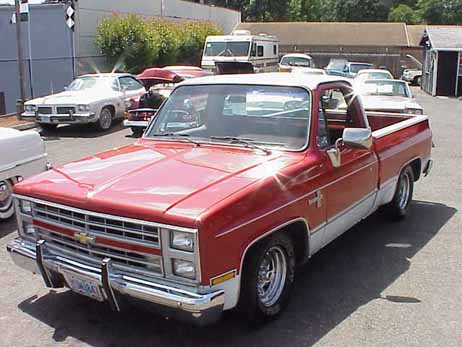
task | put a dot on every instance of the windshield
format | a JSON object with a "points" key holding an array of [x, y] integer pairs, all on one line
{"points": [[268, 116], [88, 82], [296, 61], [338, 65], [387, 88], [376, 75], [355, 68], [227, 49]]}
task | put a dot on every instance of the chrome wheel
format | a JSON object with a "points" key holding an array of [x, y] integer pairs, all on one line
{"points": [[6, 199], [272, 275], [404, 191], [105, 119]]}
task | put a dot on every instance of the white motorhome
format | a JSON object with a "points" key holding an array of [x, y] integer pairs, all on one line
{"points": [[262, 50]]}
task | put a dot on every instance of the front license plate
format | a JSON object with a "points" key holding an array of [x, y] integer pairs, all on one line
{"points": [[84, 286], [44, 119]]}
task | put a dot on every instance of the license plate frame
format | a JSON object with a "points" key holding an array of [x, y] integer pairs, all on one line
{"points": [[84, 286]]}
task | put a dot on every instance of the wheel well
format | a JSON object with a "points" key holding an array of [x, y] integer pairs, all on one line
{"points": [[298, 233], [111, 108], [416, 166]]}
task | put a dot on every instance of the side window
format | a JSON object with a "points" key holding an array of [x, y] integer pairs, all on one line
{"points": [[260, 51], [323, 130], [275, 50], [129, 83]]}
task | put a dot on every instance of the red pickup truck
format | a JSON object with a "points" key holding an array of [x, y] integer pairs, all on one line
{"points": [[217, 215]]}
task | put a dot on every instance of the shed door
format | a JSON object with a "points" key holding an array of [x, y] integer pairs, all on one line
{"points": [[447, 73]]}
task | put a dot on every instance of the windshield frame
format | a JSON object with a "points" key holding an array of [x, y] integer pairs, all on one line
{"points": [[226, 42], [212, 143]]}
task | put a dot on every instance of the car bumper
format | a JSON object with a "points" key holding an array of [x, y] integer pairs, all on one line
{"points": [[405, 78], [136, 123], [201, 309], [76, 118]]}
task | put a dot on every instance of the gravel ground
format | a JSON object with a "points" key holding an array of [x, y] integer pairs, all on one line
{"points": [[380, 284]]}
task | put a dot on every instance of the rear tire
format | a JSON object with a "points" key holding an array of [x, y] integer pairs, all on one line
{"points": [[137, 131], [105, 119], [48, 127], [6, 200], [267, 278], [398, 208], [418, 80]]}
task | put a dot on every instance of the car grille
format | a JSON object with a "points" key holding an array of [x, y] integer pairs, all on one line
{"points": [[65, 110], [44, 110], [95, 225]]}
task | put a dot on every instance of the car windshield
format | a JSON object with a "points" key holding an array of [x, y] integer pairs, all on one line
{"points": [[227, 49], [249, 115], [375, 75], [336, 65], [296, 61], [386, 88], [89, 82], [355, 68]]}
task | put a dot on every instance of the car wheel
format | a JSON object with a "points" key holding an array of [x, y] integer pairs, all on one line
{"points": [[418, 80], [398, 208], [137, 131], [6, 199], [267, 278], [105, 119], [48, 127]]}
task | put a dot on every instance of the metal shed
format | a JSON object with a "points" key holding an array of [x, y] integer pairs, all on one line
{"points": [[442, 71]]}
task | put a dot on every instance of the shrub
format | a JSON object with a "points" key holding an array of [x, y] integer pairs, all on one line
{"points": [[132, 43]]}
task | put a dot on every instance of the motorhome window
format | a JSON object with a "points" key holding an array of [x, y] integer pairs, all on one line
{"points": [[260, 51], [275, 50], [227, 49]]}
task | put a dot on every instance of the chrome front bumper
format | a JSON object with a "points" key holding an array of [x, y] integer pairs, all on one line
{"points": [[76, 118], [201, 309]]}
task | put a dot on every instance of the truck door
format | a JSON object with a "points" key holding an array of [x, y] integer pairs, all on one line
{"points": [[351, 187]]}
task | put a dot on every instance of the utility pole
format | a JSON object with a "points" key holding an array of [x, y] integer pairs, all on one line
{"points": [[20, 53]]}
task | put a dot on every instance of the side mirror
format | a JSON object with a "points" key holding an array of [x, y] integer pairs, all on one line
{"points": [[357, 138]]}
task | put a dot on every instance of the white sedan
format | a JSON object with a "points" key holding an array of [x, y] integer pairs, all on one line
{"points": [[388, 96], [95, 98], [22, 155]]}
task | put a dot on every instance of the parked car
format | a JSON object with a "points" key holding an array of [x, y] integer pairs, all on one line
{"points": [[373, 74], [23, 155], [216, 215], [338, 67], [159, 82], [413, 76], [95, 98], [295, 60], [388, 96]]}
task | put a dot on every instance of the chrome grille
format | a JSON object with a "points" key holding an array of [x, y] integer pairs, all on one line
{"points": [[44, 110], [96, 225], [65, 110]]}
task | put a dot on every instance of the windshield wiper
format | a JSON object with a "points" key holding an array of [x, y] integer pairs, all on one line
{"points": [[183, 136], [241, 140]]}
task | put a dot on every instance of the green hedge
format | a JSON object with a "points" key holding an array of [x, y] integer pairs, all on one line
{"points": [[132, 43]]}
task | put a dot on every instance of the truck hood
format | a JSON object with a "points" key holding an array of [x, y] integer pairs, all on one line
{"points": [[373, 102], [161, 181], [73, 97]]}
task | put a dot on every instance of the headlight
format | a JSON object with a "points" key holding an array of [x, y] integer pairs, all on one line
{"points": [[416, 111], [26, 207], [182, 241], [183, 268], [30, 108], [83, 108]]}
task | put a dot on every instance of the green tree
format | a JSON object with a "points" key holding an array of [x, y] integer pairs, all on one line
{"points": [[403, 13]]}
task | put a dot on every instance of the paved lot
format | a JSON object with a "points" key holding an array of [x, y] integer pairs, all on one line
{"points": [[381, 284]]}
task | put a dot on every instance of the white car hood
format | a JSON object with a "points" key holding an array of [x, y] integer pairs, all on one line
{"points": [[74, 97], [373, 102]]}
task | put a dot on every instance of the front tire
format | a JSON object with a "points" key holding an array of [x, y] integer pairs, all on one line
{"points": [[398, 208], [267, 278], [418, 81], [105, 119], [48, 127], [6, 200], [137, 131]]}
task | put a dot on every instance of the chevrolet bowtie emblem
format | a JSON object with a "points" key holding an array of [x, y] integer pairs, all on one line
{"points": [[84, 238]]}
